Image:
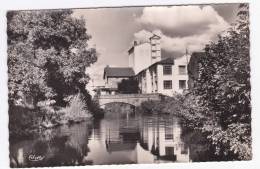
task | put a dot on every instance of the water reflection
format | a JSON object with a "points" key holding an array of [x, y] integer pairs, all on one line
{"points": [[161, 136], [119, 138], [66, 145]]}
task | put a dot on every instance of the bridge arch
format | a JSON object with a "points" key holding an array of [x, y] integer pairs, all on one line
{"points": [[112, 102]]}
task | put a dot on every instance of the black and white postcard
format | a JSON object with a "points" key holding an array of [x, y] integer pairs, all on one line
{"points": [[141, 84]]}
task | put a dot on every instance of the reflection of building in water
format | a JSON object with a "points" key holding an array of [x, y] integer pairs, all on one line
{"points": [[163, 139], [122, 137], [159, 139], [123, 133]]}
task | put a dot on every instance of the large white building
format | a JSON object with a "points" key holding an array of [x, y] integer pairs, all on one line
{"points": [[157, 75], [142, 55], [154, 74]]}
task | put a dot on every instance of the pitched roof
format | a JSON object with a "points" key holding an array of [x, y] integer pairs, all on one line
{"points": [[155, 36], [118, 72], [167, 54], [166, 61]]}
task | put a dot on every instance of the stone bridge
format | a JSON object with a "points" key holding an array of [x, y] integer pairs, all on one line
{"points": [[132, 99]]}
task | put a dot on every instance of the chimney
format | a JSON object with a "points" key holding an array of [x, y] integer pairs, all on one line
{"points": [[135, 43]]}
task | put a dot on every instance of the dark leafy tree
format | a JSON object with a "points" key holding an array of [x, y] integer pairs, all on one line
{"points": [[47, 54], [128, 86], [224, 87]]}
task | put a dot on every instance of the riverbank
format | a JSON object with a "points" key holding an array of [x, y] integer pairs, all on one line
{"points": [[233, 141], [180, 106], [26, 122]]}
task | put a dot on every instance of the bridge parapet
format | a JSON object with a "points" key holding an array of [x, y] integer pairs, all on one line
{"points": [[133, 99], [130, 95]]}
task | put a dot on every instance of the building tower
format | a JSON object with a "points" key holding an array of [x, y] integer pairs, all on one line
{"points": [[155, 48], [143, 54]]}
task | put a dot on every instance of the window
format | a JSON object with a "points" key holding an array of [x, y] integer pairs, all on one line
{"points": [[167, 69], [182, 70], [154, 47], [154, 41], [168, 133], [182, 84], [156, 53], [153, 53], [167, 84]]}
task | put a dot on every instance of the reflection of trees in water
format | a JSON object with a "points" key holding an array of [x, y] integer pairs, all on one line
{"points": [[200, 148], [60, 150], [197, 144], [118, 109], [160, 135], [62, 146]]}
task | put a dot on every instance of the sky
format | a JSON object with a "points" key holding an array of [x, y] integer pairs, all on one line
{"points": [[113, 30]]}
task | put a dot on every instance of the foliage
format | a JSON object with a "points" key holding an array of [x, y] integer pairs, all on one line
{"points": [[149, 106], [234, 140], [23, 121], [224, 88], [76, 110], [47, 54], [128, 86], [224, 76], [95, 109], [179, 105]]}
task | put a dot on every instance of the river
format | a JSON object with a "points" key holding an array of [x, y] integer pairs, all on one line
{"points": [[118, 138]]}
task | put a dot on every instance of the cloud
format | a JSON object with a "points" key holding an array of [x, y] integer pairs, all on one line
{"points": [[182, 26], [142, 35], [181, 20]]}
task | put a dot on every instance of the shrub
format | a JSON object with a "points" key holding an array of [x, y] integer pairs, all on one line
{"points": [[150, 106], [76, 110], [95, 110], [128, 86]]}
